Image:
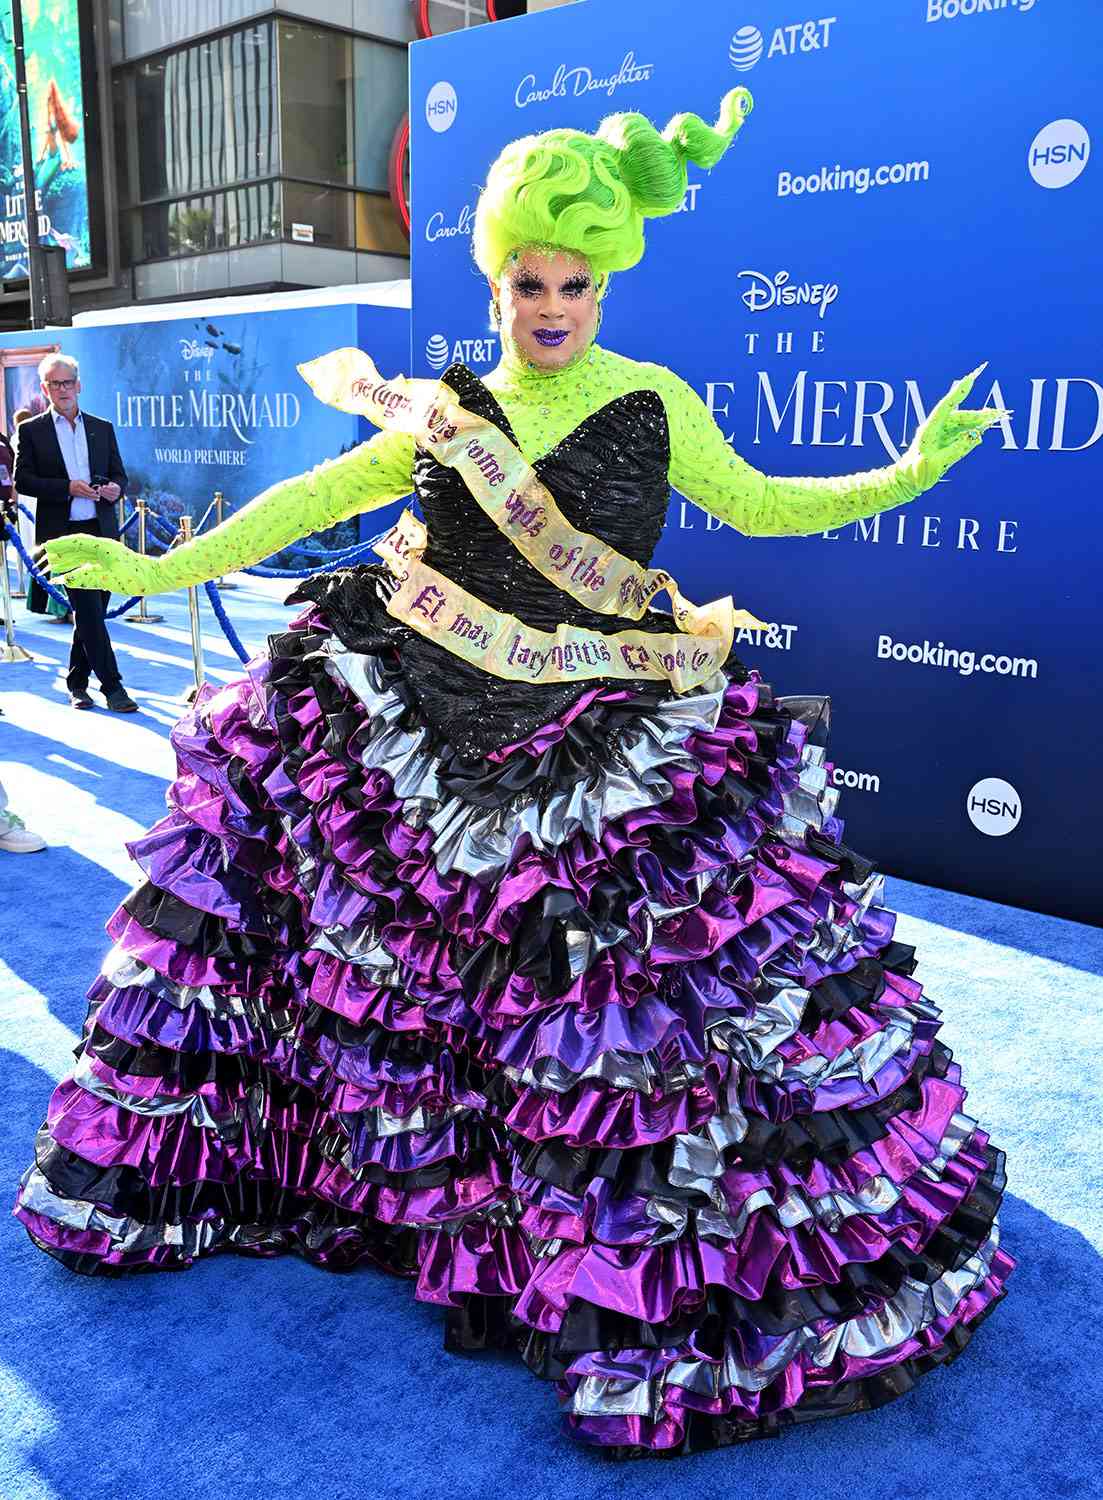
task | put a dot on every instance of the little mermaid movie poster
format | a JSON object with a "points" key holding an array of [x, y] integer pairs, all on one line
{"points": [[52, 37]]}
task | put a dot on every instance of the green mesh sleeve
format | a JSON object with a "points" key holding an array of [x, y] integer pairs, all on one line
{"points": [[704, 467], [363, 479]]}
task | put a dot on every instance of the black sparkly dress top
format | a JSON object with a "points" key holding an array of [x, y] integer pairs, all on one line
{"points": [[609, 477]]}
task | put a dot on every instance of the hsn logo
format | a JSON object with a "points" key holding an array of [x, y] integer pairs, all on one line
{"points": [[440, 106], [994, 806], [1058, 153]]}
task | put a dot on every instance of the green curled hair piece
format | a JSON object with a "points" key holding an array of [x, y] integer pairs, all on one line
{"points": [[589, 194]]}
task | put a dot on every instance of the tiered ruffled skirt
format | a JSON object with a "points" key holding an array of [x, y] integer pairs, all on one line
{"points": [[603, 1040]]}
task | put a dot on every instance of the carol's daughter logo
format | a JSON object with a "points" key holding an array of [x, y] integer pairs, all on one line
{"points": [[578, 81]]}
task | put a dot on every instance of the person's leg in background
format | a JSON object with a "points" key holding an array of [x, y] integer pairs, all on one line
{"points": [[14, 837], [92, 650]]}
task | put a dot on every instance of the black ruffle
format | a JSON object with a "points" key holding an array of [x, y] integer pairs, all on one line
{"points": [[831, 1136], [587, 1328], [167, 916], [704, 1433], [184, 1070]]}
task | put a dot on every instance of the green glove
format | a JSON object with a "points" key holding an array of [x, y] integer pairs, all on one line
{"points": [[369, 476], [948, 434], [704, 467], [94, 562]]}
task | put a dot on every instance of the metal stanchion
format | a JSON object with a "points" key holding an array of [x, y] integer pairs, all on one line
{"points": [[120, 504], [10, 651], [20, 590], [219, 511], [193, 616], [142, 616]]}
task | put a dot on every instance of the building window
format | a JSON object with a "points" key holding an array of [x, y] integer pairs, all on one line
{"points": [[380, 84], [377, 226], [316, 103], [151, 24], [455, 15], [214, 221], [341, 132], [206, 115], [326, 213], [343, 220], [206, 135]]}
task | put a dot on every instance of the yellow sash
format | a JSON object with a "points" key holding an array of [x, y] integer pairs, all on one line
{"points": [[510, 493]]}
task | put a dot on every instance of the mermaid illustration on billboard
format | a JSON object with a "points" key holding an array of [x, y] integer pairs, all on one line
{"points": [[59, 139], [61, 130]]}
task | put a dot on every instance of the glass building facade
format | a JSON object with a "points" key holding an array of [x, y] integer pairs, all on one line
{"points": [[248, 145], [240, 126]]}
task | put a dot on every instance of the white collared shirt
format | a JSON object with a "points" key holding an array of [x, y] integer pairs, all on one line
{"points": [[73, 442]]}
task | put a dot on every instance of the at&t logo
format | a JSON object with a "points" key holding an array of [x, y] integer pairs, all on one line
{"points": [[994, 806], [440, 106], [745, 48], [439, 352], [748, 44], [1058, 153]]}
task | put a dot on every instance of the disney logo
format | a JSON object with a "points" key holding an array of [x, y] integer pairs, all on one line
{"points": [[192, 349], [437, 229], [579, 81], [779, 290]]}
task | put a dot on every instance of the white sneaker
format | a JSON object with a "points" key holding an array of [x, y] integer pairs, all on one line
{"points": [[17, 839]]}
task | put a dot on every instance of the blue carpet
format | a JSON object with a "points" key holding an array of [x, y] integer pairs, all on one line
{"points": [[246, 1380]]}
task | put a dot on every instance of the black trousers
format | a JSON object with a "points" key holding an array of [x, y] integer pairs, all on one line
{"points": [[92, 651]]}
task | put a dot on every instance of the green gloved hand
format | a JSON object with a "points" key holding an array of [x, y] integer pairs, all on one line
{"points": [[93, 562], [948, 433]]}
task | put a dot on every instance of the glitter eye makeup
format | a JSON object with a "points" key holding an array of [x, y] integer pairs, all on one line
{"points": [[526, 283]]}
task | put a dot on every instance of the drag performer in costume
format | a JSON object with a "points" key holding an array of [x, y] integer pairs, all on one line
{"points": [[501, 932]]}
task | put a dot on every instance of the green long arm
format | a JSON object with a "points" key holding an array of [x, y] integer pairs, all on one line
{"points": [[363, 479], [705, 468], [542, 409]]}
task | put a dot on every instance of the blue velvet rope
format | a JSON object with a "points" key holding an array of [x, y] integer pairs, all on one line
{"points": [[224, 620], [167, 534]]}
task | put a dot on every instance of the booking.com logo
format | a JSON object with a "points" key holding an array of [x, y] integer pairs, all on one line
{"points": [[855, 781], [948, 10], [1058, 153], [954, 659]]}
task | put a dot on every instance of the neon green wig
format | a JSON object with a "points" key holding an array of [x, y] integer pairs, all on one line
{"points": [[589, 194]]}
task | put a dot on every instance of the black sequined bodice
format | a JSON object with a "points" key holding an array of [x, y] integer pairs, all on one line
{"points": [[608, 476]]}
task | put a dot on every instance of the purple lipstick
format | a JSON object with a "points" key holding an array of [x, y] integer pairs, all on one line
{"points": [[550, 337]]}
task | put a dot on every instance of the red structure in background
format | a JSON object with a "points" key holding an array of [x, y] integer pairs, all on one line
{"points": [[398, 169]]}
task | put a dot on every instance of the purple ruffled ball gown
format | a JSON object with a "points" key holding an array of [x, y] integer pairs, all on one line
{"points": [[569, 1005]]}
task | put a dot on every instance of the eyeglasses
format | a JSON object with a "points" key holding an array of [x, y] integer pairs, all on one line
{"points": [[61, 385]]}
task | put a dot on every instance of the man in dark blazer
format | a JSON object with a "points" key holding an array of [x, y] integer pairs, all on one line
{"points": [[69, 461]]}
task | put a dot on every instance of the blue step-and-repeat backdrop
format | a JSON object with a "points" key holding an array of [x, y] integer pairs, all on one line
{"points": [[212, 402], [914, 194]]}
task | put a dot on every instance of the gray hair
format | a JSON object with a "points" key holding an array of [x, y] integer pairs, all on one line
{"points": [[47, 364]]}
